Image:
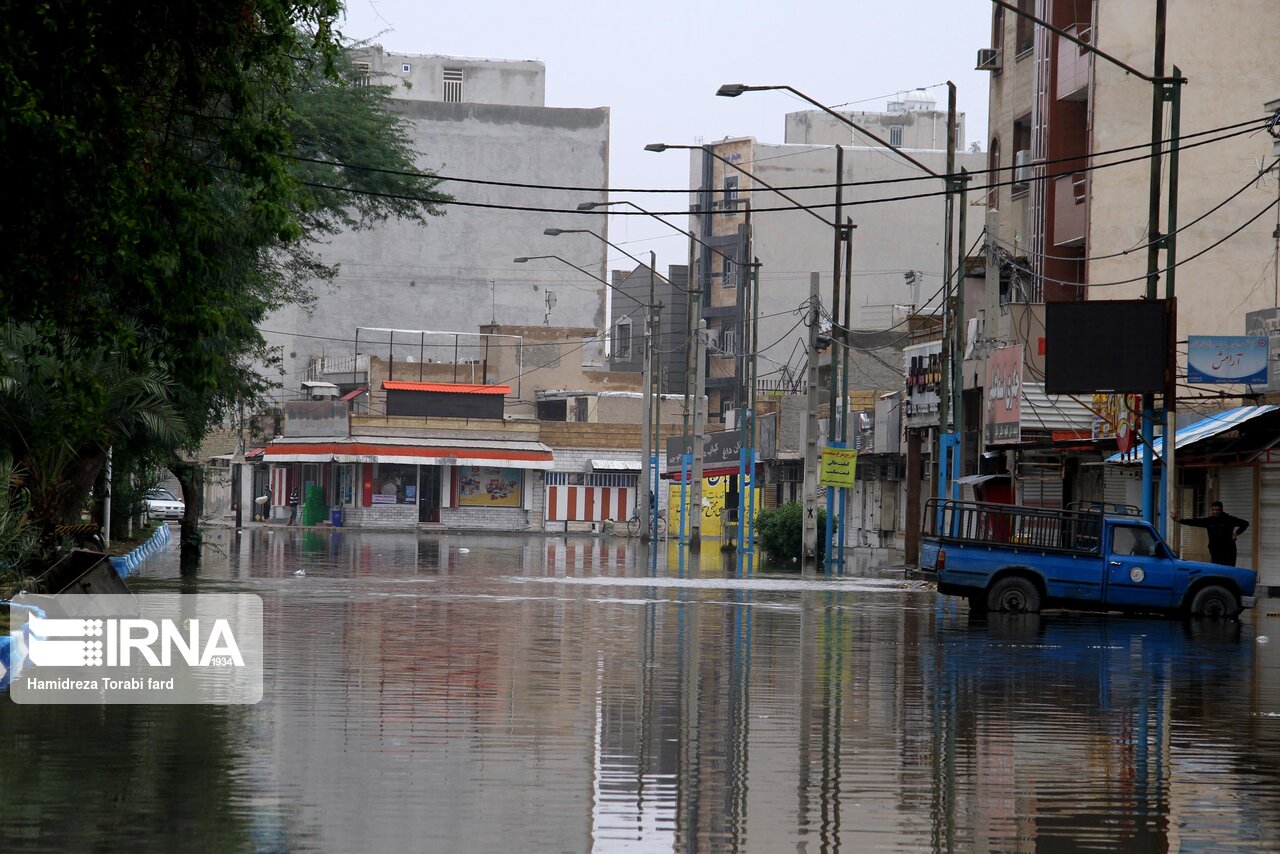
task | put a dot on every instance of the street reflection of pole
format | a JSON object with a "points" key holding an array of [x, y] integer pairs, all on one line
{"points": [[833, 672], [945, 710], [687, 788], [807, 643], [740, 716]]}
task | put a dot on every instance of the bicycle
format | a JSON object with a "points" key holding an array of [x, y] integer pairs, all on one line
{"points": [[634, 524]]}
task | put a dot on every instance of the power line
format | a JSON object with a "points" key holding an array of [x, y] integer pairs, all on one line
{"points": [[1259, 122]]}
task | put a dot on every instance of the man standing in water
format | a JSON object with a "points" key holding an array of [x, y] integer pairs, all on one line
{"points": [[1223, 530]]}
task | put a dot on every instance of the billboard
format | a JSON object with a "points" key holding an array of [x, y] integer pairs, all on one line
{"points": [[1266, 322], [486, 486], [1004, 396], [1106, 346], [923, 369], [1230, 359]]}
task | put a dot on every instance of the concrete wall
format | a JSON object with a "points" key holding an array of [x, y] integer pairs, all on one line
{"points": [[921, 129], [456, 271], [485, 81], [1227, 53]]}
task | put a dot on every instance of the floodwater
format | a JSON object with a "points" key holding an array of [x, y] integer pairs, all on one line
{"points": [[547, 694]]}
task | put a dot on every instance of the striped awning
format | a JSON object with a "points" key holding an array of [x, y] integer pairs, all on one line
{"points": [[424, 452], [446, 388], [1213, 425]]}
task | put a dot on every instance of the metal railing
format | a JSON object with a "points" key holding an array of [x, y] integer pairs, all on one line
{"points": [[1010, 525]]}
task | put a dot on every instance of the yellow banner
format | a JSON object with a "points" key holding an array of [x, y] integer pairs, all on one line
{"points": [[839, 466]]}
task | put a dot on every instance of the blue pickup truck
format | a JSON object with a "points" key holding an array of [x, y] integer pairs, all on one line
{"points": [[1020, 559]]}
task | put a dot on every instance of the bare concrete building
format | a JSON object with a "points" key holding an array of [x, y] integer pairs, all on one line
{"points": [[471, 119]]}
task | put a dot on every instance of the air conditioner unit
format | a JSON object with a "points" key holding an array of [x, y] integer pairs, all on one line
{"points": [[989, 59], [1022, 168]]}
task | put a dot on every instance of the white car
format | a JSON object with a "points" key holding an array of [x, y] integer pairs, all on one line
{"points": [[163, 504]]}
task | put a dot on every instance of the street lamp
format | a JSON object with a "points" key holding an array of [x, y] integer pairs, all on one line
{"points": [[955, 185], [649, 441], [841, 234], [733, 90], [693, 393]]}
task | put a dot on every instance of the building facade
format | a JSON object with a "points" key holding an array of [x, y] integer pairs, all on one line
{"points": [[470, 119]]}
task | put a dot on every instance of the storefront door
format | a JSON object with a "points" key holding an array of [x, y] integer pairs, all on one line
{"points": [[429, 494]]}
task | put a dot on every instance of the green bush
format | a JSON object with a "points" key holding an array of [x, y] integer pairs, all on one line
{"points": [[781, 531]]}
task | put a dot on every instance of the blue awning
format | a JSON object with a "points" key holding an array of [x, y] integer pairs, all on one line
{"points": [[1219, 422]]}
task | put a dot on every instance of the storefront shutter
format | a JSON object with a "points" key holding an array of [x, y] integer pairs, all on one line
{"points": [[1235, 491], [1268, 563]]}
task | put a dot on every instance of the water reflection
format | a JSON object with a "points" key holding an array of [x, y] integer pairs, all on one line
{"points": [[578, 693]]}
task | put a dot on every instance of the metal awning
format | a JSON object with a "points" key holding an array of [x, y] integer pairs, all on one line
{"points": [[978, 479], [355, 393], [425, 452], [615, 465], [1217, 423]]}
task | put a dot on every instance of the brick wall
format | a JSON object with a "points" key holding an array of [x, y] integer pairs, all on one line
{"points": [[381, 516]]}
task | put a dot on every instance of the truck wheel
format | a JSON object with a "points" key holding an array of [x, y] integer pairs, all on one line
{"points": [[1215, 601], [1014, 595]]}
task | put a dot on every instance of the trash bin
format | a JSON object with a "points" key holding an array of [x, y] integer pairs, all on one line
{"points": [[335, 517]]}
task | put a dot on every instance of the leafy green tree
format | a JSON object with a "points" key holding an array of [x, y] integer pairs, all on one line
{"points": [[168, 165]]}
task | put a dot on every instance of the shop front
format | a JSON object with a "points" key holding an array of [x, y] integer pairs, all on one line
{"points": [[401, 483]]}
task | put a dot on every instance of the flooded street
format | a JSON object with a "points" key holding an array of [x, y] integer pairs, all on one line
{"points": [[509, 693]]}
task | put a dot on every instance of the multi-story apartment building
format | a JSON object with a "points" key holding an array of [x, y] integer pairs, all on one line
{"points": [[1067, 217], [470, 119], [897, 245]]}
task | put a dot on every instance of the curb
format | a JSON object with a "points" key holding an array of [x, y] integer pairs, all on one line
{"points": [[127, 563]]}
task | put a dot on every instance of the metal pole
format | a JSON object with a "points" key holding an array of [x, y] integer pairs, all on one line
{"points": [[958, 329], [948, 312], [699, 438], [1153, 252], [646, 425], [686, 456], [656, 457], [810, 522], [755, 380], [833, 407], [1170, 265], [106, 506], [844, 375]]}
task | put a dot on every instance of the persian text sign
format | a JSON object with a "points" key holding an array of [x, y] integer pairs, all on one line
{"points": [[839, 466], [1004, 396], [1227, 359], [165, 648]]}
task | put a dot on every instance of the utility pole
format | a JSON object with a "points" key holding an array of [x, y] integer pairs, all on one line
{"points": [[699, 439], [946, 391], [834, 413], [646, 440], [657, 416], [809, 550], [958, 330], [844, 375]]}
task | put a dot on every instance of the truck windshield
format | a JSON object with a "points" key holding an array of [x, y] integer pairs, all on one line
{"points": [[1132, 540]]}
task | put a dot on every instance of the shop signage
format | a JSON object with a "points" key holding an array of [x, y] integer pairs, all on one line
{"points": [[1229, 359], [1004, 396], [839, 466]]}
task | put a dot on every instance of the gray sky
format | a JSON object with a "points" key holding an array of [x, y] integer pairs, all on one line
{"points": [[657, 66]]}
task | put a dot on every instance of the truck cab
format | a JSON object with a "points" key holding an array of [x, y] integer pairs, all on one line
{"points": [[1006, 558]]}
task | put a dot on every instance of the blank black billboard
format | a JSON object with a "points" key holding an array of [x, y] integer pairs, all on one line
{"points": [[1105, 345]]}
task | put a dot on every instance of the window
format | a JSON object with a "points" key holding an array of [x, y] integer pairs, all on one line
{"points": [[994, 176], [406, 68], [622, 341], [1026, 29], [364, 73], [394, 483], [346, 485], [727, 277], [895, 136], [730, 189], [997, 32], [452, 92], [729, 342], [1134, 541]]}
